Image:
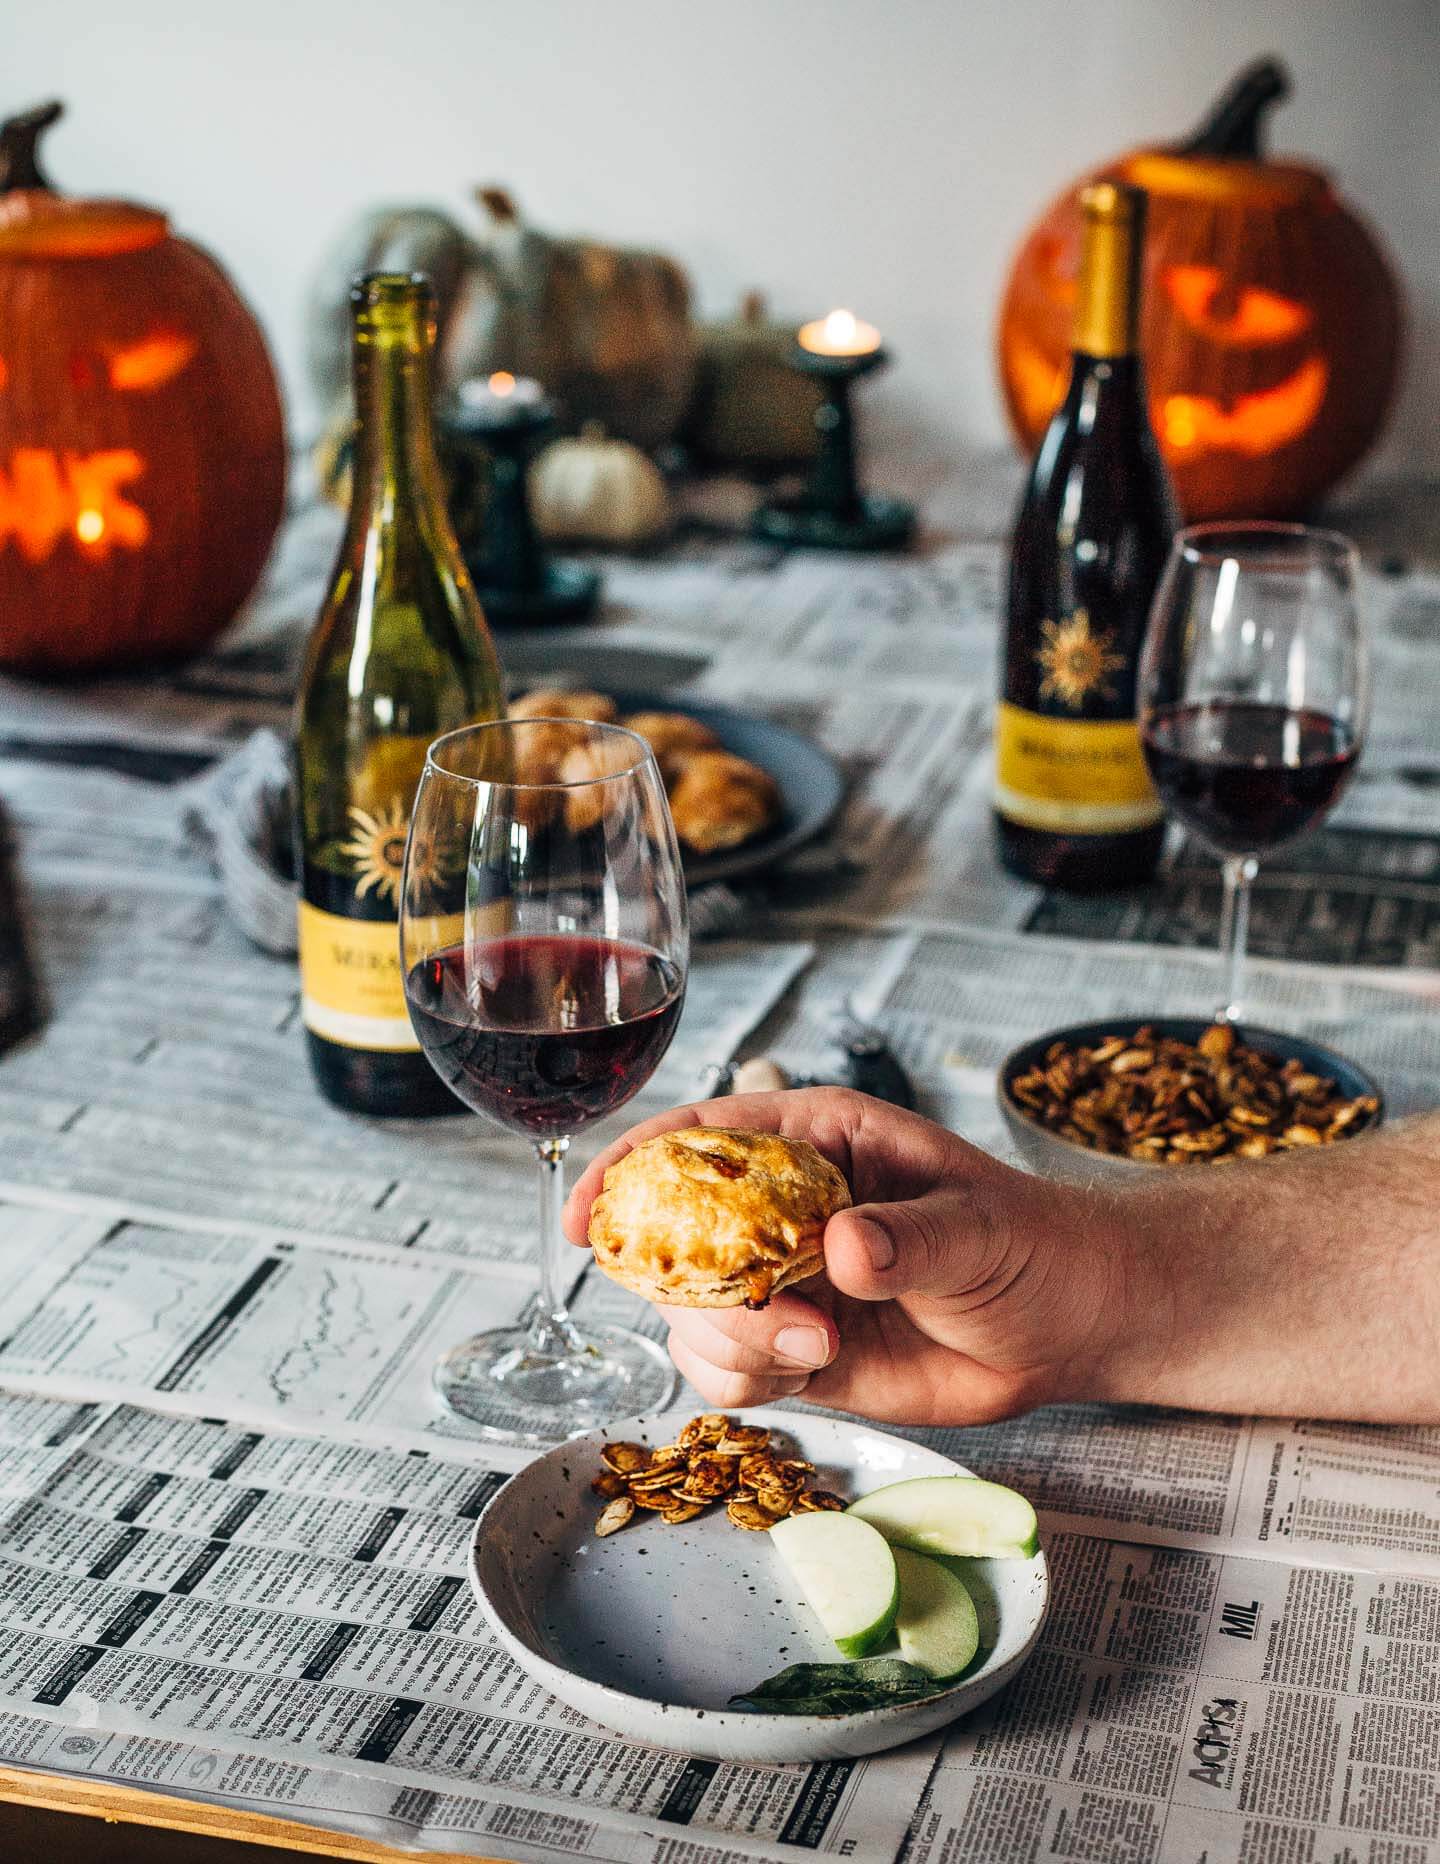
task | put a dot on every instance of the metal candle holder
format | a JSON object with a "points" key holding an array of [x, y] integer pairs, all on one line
{"points": [[831, 512], [518, 582]]}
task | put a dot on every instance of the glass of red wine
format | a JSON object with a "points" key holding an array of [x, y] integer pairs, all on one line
{"points": [[1253, 696], [544, 942]]}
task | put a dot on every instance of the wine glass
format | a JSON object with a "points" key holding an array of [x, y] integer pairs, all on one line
{"points": [[1253, 697], [544, 945]]}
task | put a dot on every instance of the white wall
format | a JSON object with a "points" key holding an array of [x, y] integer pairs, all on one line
{"points": [[885, 156]]}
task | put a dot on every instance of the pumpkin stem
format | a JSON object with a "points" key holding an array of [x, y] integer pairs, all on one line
{"points": [[1233, 123], [499, 204], [19, 163]]}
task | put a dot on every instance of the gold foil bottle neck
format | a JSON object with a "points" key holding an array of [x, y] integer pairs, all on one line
{"points": [[1108, 312]]}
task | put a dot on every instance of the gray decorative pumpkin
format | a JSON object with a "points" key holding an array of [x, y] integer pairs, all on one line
{"points": [[605, 329], [752, 412]]}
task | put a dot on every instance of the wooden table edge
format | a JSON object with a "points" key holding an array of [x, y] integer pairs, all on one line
{"points": [[130, 1805]]}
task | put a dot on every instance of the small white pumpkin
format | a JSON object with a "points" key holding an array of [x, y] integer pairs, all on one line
{"points": [[598, 491]]}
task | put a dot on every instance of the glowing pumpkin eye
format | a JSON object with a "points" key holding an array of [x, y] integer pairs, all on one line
{"points": [[151, 363], [1259, 316]]}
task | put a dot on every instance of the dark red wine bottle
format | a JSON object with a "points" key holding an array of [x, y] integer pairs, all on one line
{"points": [[1074, 805]]}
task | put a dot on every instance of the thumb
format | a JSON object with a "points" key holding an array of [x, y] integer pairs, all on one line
{"points": [[944, 1243]]}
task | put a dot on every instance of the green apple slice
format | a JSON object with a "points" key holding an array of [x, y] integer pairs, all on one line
{"points": [[847, 1573], [952, 1514], [936, 1624]]}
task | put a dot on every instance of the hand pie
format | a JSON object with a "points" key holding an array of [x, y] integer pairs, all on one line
{"points": [[713, 1217], [719, 800], [670, 736], [556, 702], [586, 764], [540, 751]]}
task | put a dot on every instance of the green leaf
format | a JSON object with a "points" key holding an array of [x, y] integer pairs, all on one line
{"points": [[837, 1688]]}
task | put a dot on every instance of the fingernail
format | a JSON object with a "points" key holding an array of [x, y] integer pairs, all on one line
{"points": [[791, 1388], [803, 1346], [878, 1246]]}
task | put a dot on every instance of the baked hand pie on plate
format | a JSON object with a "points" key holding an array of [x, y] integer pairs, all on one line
{"points": [[710, 1216]]}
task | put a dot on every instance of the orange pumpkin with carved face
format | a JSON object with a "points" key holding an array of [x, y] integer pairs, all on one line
{"points": [[142, 456], [1271, 324]]}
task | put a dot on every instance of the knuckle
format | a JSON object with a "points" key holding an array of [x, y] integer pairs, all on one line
{"points": [[732, 1388]]}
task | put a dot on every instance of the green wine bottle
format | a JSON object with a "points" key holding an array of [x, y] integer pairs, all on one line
{"points": [[399, 655]]}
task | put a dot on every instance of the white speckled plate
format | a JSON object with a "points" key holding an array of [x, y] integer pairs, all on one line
{"points": [[650, 1631]]}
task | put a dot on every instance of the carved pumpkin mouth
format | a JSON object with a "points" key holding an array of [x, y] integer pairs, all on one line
{"points": [[1253, 424]]}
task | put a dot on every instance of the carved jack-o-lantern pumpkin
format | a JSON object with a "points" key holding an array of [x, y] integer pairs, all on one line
{"points": [[142, 457], [1271, 325]]}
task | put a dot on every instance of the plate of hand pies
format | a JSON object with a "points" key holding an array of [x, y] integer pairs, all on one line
{"points": [[744, 792]]}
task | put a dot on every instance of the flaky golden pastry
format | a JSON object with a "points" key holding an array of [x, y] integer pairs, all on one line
{"points": [[557, 702], [714, 1217], [542, 749], [671, 736], [719, 800], [586, 764]]}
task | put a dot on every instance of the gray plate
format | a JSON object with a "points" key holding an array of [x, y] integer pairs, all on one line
{"points": [[812, 785], [650, 1631]]}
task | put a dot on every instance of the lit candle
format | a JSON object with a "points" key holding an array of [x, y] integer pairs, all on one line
{"points": [[839, 334], [503, 398]]}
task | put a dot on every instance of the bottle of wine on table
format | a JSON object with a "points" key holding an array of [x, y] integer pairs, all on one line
{"points": [[1074, 806], [399, 655]]}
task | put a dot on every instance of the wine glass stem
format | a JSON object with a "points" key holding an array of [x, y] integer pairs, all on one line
{"points": [[552, 1332], [1239, 870]]}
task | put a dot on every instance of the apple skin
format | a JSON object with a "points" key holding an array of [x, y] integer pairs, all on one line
{"points": [[937, 1625], [958, 1515], [818, 1549]]}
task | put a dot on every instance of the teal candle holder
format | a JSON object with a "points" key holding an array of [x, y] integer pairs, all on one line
{"points": [[520, 585], [831, 512]]}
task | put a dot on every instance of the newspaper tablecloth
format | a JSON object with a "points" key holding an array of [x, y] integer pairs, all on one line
{"points": [[232, 1525]]}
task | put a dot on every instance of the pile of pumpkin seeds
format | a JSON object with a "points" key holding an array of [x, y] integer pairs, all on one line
{"points": [[714, 1459]]}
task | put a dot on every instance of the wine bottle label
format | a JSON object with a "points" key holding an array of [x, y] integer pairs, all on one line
{"points": [[351, 990], [1071, 776]]}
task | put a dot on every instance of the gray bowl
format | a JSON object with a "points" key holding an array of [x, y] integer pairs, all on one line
{"points": [[1053, 1156]]}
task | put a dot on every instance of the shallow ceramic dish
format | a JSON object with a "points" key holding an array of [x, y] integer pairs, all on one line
{"points": [[651, 1631], [1055, 1157], [811, 783]]}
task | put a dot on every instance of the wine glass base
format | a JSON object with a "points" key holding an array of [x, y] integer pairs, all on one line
{"points": [[512, 1394]]}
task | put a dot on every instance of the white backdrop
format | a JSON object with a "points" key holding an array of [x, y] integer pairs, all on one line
{"points": [[884, 156]]}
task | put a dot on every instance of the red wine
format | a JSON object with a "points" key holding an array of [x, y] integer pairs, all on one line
{"points": [[545, 1034], [1247, 777], [1074, 805]]}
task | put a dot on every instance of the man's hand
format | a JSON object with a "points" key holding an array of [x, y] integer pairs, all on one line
{"points": [[956, 1290]]}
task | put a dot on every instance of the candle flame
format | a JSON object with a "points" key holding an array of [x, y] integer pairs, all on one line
{"points": [[89, 525], [502, 383], [841, 333]]}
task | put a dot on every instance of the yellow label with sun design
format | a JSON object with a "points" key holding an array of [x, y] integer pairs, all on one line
{"points": [[351, 990], [376, 849], [1076, 660], [1071, 776]]}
